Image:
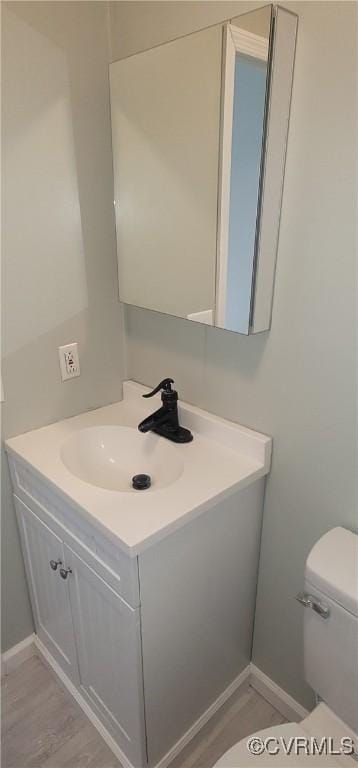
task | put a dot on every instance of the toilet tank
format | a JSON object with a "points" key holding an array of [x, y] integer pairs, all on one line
{"points": [[331, 641]]}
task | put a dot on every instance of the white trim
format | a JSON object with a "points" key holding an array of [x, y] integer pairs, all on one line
{"points": [[282, 701], [228, 85], [241, 683], [249, 43], [236, 40], [71, 688], [16, 655]]}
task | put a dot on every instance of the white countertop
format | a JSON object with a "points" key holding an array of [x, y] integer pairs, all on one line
{"points": [[222, 458]]}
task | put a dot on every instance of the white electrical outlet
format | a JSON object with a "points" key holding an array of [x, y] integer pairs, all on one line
{"points": [[69, 361]]}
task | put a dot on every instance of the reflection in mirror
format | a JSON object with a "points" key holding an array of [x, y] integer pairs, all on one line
{"points": [[165, 105], [245, 85]]}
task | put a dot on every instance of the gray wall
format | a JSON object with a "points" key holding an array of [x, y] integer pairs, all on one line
{"points": [[59, 255], [136, 25], [296, 383]]}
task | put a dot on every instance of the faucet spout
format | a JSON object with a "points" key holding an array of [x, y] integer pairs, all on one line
{"points": [[154, 420]]}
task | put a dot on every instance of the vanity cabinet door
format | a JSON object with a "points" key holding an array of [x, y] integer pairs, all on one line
{"points": [[109, 655], [49, 592]]}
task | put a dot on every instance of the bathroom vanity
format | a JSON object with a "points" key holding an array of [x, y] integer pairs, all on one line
{"points": [[143, 600]]}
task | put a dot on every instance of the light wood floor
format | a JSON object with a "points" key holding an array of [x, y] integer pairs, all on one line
{"points": [[43, 727]]}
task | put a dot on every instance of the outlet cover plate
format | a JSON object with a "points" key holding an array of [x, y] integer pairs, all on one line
{"points": [[69, 361]]}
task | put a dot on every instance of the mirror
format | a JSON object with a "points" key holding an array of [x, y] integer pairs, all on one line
{"points": [[199, 130]]}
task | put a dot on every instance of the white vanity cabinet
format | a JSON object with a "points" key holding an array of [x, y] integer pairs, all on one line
{"points": [[184, 640], [86, 626], [143, 602], [107, 633], [44, 555]]}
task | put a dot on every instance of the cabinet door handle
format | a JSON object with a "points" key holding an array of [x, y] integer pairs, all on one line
{"points": [[55, 563], [64, 572]]}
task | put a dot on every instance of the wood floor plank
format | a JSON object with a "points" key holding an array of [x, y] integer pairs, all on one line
{"points": [[240, 717], [256, 715], [211, 731], [90, 751], [43, 727]]}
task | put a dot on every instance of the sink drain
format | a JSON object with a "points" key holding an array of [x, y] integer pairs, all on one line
{"points": [[141, 482]]}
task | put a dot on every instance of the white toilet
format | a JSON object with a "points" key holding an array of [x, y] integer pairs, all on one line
{"points": [[331, 665]]}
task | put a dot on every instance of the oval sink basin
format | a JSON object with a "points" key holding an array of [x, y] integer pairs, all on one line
{"points": [[109, 456]]}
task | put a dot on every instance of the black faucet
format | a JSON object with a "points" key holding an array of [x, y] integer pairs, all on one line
{"points": [[165, 420]]}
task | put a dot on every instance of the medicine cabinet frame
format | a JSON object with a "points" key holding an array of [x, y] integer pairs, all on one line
{"points": [[280, 53], [258, 262]]}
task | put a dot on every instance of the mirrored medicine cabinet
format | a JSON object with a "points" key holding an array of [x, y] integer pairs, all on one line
{"points": [[199, 128]]}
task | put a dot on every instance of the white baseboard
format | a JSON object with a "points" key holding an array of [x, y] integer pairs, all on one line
{"points": [[282, 701], [241, 683], [251, 675], [16, 655], [66, 682]]}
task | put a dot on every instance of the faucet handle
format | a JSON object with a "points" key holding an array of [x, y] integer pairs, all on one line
{"points": [[166, 384]]}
